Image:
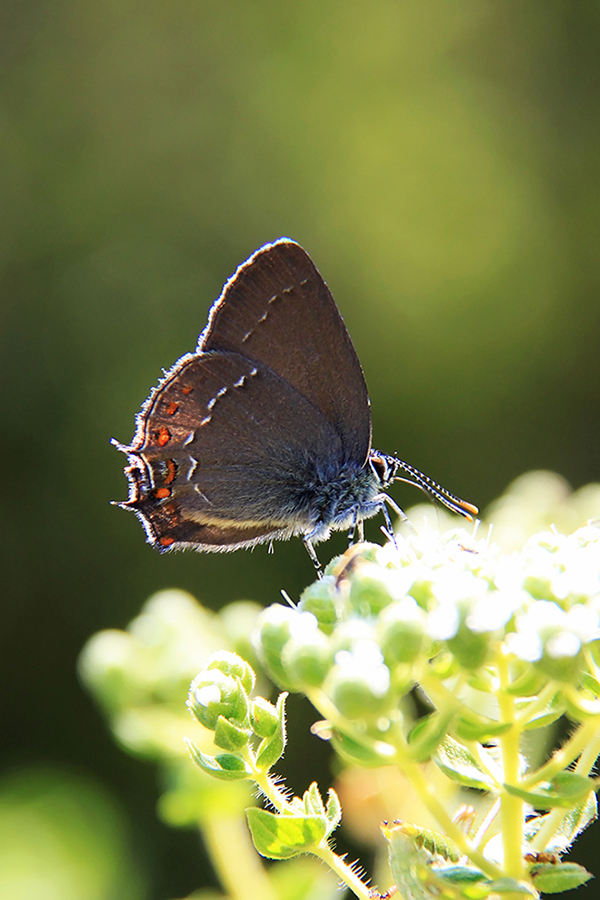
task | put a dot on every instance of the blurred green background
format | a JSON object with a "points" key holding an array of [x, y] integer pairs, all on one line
{"points": [[439, 161]]}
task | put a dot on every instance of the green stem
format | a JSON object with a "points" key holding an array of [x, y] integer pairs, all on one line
{"points": [[585, 738], [342, 870], [429, 798], [235, 861], [541, 702], [511, 812]]}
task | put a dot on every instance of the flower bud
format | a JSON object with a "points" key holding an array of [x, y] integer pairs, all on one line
{"points": [[213, 694], [322, 600], [359, 682], [307, 658], [233, 665], [263, 718], [373, 588], [401, 631]]}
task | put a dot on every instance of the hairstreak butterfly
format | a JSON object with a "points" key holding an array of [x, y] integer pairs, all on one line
{"points": [[265, 431]]}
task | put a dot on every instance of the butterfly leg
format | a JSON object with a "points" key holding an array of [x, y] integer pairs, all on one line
{"points": [[315, 559], [358, 527], [352, 531], [388, 522]]}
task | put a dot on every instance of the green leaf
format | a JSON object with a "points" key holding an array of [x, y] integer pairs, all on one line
{"points": [[225, 766], [408, 841], [528, 684], [458, 764], [574, 821], [271, 749], [229, 737], [313, 804], [479, 728], [333, 811], [578, 818], [590, 683], [565, 790], [552, 879], [263, 718], [355, 752], [511, 886], [280, 836], [551, 712], [425, 737]]}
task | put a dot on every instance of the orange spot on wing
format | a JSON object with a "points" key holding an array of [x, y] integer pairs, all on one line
{"points": [[163, 436], [172, 408], [171, 471], [186, 389], [161, 493], [166, 541]]}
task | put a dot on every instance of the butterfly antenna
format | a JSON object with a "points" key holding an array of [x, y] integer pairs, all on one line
{"points": [[413, 476]]}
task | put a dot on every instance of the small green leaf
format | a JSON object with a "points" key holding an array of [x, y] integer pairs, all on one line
{"points": [[229, 736], [263, 717], [425, 737], [333, 811], [565, 790], [578, 818], [271, 749], [458, 764], [462, 875], [528, 684], [511, 886], [549, 713], [543, 719], [355, 752], [463, 882], [552, 879], [313, 804], [408, 841], [479, 728], [225, 766], [590, 683], [280, 836]]}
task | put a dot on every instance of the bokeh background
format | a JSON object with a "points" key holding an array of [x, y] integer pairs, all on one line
{"points": [[439, 161]]}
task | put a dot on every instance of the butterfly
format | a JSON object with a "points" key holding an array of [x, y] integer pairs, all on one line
{"points": [[264, 432]]}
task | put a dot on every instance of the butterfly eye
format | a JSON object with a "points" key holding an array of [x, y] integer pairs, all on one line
{"points": [[381, 468]]}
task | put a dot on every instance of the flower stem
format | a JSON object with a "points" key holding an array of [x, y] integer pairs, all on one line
{"points": [[511, 811]]}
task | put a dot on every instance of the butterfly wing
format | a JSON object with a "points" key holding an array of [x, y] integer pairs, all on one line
{"points": [[227, 454], [277, 310]]}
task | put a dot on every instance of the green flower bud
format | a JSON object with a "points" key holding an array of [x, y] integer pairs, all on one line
{"points": [[561, 666], [278, 625], [213, 694], [359, 683], [263, 717], [307, 658], [469, 648], [323, 601], [401, 631], [373, 588], [233, 665]]}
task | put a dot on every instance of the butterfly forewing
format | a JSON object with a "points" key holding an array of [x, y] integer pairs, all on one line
{"points": [[278, 311]]}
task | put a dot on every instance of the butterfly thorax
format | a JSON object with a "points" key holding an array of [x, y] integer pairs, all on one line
{"points": [[329, 499]]}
